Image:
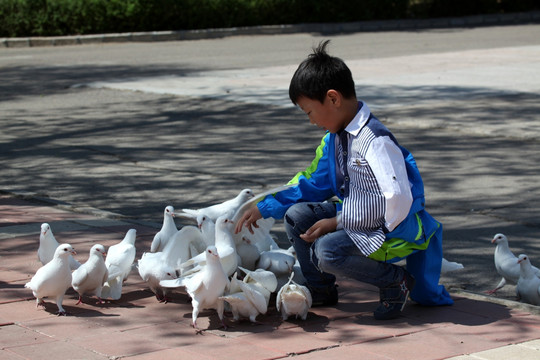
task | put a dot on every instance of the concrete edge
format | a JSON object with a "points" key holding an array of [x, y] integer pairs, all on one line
{"points": [[322, 28]]}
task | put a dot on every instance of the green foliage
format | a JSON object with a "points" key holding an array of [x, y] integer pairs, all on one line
{"points": [[69, 17]]}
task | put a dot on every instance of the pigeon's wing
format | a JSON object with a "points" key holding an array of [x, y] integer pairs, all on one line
{"points": [[175, 283], [254, 297], [233, 299], [199, 259], [257, 198], [79, 276], [105, 276], [279, 297], [307, 294], [156, 243]]}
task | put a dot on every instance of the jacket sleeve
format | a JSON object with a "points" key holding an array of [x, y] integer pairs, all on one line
{"points": [[312, 184]]}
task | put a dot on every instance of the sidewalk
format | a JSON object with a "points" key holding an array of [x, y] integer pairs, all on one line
{"points": [[139, 327]]}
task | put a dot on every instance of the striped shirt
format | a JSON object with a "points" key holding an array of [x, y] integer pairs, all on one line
{"points": [[379, 195]]}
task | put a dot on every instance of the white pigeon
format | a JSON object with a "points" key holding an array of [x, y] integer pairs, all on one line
{"points": [[293, 299], [261, 237], [54, 278], [225, 246], [249, 253], [298, 276], [505, 263], [152, 269], [449, 266], [254, 199], [48, 245], [245, 301], [206, 286], [208, 229], [119, 261], [227, 208], [168, 229], [261, 280], [528, 285], [278, 261], [90, 276]]}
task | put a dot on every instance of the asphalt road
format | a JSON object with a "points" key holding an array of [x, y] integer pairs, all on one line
{"points": [[130, 128]]}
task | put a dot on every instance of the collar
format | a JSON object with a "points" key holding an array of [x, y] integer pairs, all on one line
{"points": [[360, 119]]}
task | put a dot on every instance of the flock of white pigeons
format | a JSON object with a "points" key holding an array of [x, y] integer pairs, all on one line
{"points": [[516, 270], [217, 267]]}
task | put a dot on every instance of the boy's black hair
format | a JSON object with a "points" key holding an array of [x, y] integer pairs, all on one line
{"points": [[319, 73]]}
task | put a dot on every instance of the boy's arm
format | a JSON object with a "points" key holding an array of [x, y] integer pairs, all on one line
{"points": [[386, 161], [313, 184]]}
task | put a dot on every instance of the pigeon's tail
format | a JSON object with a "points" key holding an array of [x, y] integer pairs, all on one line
{"points": [[187, 214], [448, 266], [112, 289]]}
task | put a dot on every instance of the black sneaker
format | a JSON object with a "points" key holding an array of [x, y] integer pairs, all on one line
{"points": [[394, 298], [324, 296]]}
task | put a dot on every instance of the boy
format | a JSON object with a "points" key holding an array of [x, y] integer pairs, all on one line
{"points": [[381, 218]]}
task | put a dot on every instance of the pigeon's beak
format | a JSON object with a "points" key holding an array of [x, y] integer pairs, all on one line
{"points": [[73, 252], [493, 241]]}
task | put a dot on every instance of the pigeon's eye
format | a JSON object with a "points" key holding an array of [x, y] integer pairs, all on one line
{"points": [[169, 274], [65, 249]]}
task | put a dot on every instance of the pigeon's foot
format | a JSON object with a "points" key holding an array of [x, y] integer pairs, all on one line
{"points": [[61, 313], [100, 301], [197, 330], [162, 298], [492, 292], [40, 304]]}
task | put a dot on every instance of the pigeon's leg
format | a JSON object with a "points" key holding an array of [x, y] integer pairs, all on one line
{"points": [[220, 308], [59, 301], [194, 315], [162, 297], [100, 301], [253, 320], [40, 303], [499, 286], [80, 300]]}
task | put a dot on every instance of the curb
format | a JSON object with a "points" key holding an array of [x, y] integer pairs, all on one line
{"points": [[321, 28]]}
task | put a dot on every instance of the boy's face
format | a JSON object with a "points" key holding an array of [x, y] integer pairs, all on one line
{"points": [[326, 115]]}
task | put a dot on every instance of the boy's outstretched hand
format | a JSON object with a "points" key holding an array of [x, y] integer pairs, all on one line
{"points": [[249, 218], [320, 228]]}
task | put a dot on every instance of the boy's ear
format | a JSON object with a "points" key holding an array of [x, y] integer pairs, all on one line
{"points": [[334, 97]]}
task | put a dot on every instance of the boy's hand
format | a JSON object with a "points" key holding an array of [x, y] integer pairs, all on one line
{"points": [[320, 228], [249, 218]]}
